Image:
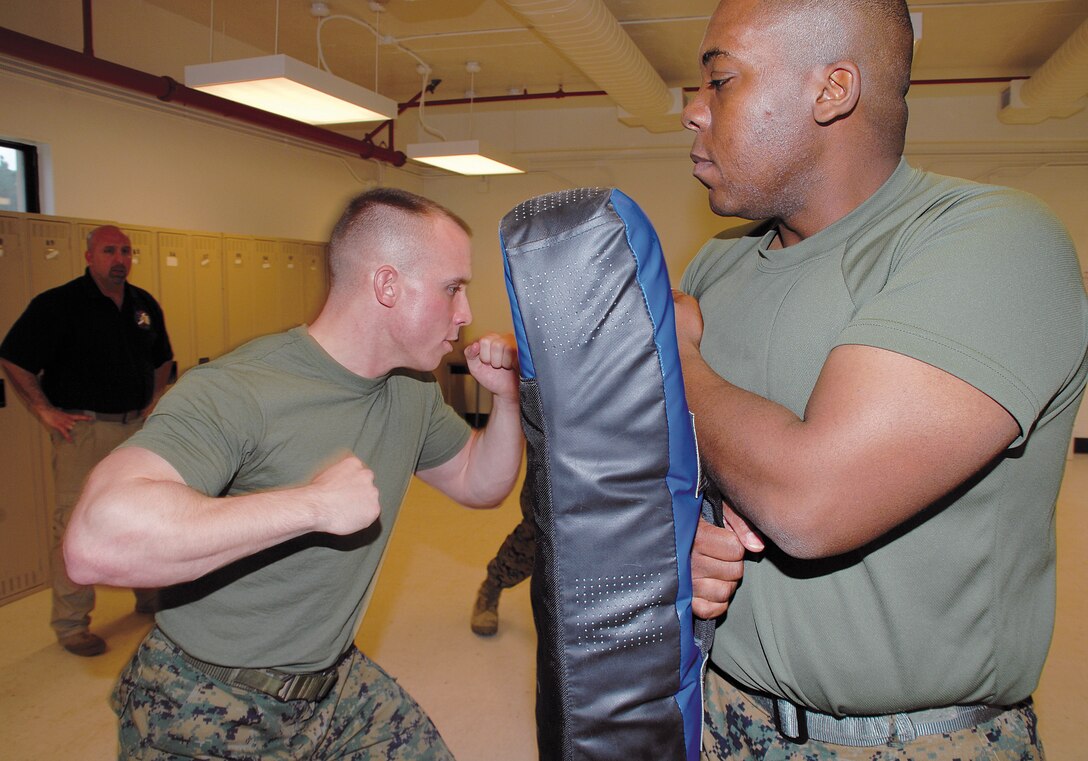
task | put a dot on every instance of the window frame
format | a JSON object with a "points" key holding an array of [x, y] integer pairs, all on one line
{"points": [[31, 174]]}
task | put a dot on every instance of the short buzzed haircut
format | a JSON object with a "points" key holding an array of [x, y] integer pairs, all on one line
{"points": [[378, 220], [876, 34], [886, 26]]}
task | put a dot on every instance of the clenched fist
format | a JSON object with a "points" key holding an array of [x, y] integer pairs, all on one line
{"points": [[344, 497], [493, 362]]}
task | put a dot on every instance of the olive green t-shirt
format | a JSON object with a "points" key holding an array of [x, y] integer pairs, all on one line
{"points": [[271, 415], [957, 605]]}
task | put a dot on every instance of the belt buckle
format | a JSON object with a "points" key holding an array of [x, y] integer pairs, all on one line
{"points": [[306, 686], [801, 737]]}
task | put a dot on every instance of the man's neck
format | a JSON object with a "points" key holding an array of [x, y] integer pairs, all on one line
{"points": [[837, 198], [349, 342]]}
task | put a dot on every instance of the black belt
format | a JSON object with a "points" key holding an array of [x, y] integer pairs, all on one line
{"points": [[799, 724], [282, 685], [109, 417]]}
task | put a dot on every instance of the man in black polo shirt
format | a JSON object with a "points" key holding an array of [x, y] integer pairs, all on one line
{"points": [[89, 358]]}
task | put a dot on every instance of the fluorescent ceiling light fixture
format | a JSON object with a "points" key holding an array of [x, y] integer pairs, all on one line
{"points": [[462, 157], [290, 88]]}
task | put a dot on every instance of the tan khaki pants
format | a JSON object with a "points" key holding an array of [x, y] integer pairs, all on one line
{"points": [[91, 441]]}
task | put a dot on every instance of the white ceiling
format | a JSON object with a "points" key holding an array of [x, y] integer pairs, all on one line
{"points": [[960, 40]]}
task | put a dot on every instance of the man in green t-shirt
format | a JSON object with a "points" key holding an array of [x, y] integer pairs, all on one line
{"points": [[884, 374], [262, 492]]}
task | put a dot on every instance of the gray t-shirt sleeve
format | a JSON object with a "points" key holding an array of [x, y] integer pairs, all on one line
{"points": [[990, 291], [205, 427], [447, 434]]}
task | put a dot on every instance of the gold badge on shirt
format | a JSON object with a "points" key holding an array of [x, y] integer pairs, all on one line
{"points": [[143, 319]]}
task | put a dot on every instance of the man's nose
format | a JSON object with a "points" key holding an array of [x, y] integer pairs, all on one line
{"points": [[464, 312], [695, 114]]}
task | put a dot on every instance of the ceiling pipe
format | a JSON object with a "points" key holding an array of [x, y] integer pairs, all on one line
{"points": [[588, 34], [171, 91], [1058, 88], [560, 93]]}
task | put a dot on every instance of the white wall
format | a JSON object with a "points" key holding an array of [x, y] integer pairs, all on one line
{"points": [[113, 159]]}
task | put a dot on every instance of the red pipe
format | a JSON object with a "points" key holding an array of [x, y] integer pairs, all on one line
{"points": [[169, 90]]}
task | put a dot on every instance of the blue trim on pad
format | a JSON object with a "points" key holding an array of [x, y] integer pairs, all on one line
{"points": [[653, 278]]}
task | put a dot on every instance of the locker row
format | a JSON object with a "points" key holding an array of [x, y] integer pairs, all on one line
{"points": [[216, 290]]}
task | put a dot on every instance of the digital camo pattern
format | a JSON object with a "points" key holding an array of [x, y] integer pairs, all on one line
{"points": [[170, 710], [736, 729], [513, 563]]}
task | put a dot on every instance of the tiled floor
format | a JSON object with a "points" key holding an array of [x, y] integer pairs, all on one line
{"points": [[479, 691]]}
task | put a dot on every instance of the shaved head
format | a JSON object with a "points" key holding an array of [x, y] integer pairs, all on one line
{"points": [[875, 34], [801, 111], [383, 226], [105, 232]]}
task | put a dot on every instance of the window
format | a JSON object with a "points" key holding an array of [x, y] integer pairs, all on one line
{"points": [[19, 177]]}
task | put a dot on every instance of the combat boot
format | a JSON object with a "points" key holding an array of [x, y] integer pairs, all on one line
{"points": [[485, 613]]}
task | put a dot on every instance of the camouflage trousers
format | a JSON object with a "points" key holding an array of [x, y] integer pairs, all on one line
{"points": [[737, 729], [513, 563], [170, 710]]}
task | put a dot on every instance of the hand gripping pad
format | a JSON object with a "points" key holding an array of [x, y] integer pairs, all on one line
{"points": [[613, 474]]}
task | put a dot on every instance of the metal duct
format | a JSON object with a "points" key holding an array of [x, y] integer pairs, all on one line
{"points": [[587, 33], [1059, 88]]}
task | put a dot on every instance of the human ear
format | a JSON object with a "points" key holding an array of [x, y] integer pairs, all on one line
{"points": [[839, 92], [385, 285]]}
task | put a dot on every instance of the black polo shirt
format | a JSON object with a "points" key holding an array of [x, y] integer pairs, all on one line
{"points": [[91, 355]]}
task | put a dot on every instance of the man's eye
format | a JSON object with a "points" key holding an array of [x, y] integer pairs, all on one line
{"points": [[717, 84]]}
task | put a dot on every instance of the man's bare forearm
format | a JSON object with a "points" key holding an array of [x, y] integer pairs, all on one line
{"points": [[27, 386], [138, 525], [496, 454]]}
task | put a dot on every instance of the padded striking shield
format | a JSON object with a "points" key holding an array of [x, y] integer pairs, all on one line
{"points": [[613, 474]]}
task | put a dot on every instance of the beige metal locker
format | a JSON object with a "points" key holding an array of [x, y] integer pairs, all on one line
{"points": [[292, 284], [24, 519], [251, 280], [239, 268], [315, 280], [176, 295], [209, 305], [55, 257], [145, 261], [268, 315]]}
